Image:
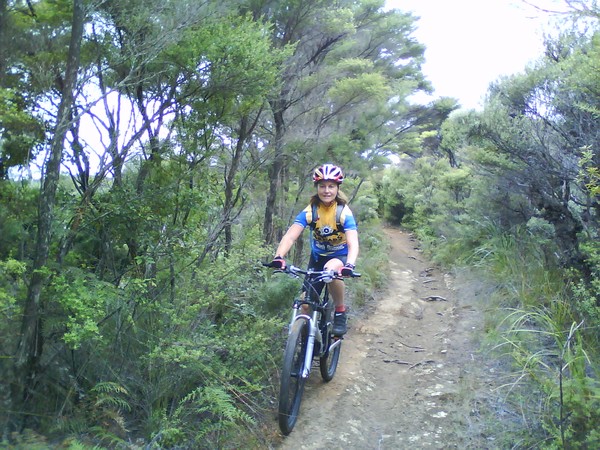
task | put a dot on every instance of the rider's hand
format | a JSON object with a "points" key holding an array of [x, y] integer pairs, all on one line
{"points": [[347, 270], [278, 263]]}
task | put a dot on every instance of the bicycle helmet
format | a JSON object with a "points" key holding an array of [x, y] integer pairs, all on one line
{"points": [[328, 172]]}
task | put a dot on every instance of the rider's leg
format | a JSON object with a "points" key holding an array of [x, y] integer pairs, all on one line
{"points": [[336, 289]]}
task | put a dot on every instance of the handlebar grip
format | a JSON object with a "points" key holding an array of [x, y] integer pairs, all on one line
{"points": [[276, 269], [272, 266]]}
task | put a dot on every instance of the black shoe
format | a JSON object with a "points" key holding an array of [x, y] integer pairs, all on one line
{"points": [[339, 324]]}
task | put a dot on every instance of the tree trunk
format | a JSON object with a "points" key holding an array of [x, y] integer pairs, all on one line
{"points": [[274, 179], [4, 52], [230, 197], [4, 47], [30, 346]]}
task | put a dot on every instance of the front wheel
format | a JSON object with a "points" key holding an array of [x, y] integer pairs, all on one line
{"points": [[292, 383], [329, 361]]}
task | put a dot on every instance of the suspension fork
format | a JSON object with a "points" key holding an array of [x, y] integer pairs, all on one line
{"points": [[313, 334]]}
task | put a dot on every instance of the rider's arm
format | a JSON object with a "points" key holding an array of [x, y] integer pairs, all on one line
{"points": [[352, 241], [288, 239]]}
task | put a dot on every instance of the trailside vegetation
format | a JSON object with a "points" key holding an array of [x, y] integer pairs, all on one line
{"points": [[510, 193], [151, 154]]}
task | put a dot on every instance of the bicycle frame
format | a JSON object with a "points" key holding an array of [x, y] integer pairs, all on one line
{"points": [[318, 308], [314, 334]]}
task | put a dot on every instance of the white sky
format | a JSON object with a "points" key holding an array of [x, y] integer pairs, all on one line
{"points": [[471, 43]]}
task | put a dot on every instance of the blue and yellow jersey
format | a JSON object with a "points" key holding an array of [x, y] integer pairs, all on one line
{"points": [[326, 239]]}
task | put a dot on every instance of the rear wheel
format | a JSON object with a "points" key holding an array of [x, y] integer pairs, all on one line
{"points": [[329, 361], [292, 383]]}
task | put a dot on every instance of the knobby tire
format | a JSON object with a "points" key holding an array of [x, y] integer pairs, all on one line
{"points": [[329, 361], [292, 383]]}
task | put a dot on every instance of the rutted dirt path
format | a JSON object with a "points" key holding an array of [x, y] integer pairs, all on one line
{"points": [[408, 373]]}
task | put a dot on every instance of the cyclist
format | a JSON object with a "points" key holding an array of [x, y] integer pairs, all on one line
{"points": [[334, 237]]}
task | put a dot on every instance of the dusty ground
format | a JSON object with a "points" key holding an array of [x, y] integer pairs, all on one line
{"points": [[409, 373]]}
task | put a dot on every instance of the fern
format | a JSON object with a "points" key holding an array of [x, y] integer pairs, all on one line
{"points": [[107, 395]]}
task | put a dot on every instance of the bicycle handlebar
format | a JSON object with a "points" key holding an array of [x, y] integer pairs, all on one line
{"points": [[322, 274]]}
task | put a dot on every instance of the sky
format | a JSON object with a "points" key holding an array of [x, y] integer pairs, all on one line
{"points": [[471, 43]]}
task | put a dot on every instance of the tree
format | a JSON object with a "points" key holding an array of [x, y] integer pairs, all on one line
{"points": [[542, 120], [22, 130], [30, 346], [352, 61]]}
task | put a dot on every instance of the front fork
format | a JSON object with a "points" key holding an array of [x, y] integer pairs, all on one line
{"points": [[313, 333]]}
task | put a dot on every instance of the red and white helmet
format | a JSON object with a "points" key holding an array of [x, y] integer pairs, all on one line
{"points": [[328, 172]]}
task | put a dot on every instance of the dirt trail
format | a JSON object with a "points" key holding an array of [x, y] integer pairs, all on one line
{"points": [[408, 369]]}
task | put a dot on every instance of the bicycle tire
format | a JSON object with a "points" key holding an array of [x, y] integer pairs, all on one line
{"points": [[329, 361], [292, 383]]}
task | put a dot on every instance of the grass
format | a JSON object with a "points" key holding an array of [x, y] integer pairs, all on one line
{"points": [[535, 357]]}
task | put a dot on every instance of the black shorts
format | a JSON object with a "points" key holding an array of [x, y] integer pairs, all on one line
{"points": [[318, 263]]}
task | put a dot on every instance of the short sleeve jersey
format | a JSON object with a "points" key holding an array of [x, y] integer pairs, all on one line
{"points": [[326, 239]]}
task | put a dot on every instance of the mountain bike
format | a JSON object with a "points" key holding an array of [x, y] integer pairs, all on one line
{"points": [[309, 338]]}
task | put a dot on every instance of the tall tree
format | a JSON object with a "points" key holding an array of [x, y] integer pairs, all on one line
{"points": [[31, 345], [345, 68], [542, 121]]}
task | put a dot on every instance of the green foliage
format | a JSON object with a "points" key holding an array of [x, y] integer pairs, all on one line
{"points": [[11, 285], [350, 91], [109, 395], [83, 299], [223, 363], [554, 362], [17, 217], [365, 208], [490, 213], [236, 55], [21, 131], [104, 409], [337, 21], [589, 175], [393, 202], [517, 263], [26, 440], [586, 292], [431, 199], [155, 319], [451, 212], [216, 410], [278, 293], [12, 290], [372, 265], [158, 320]]}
